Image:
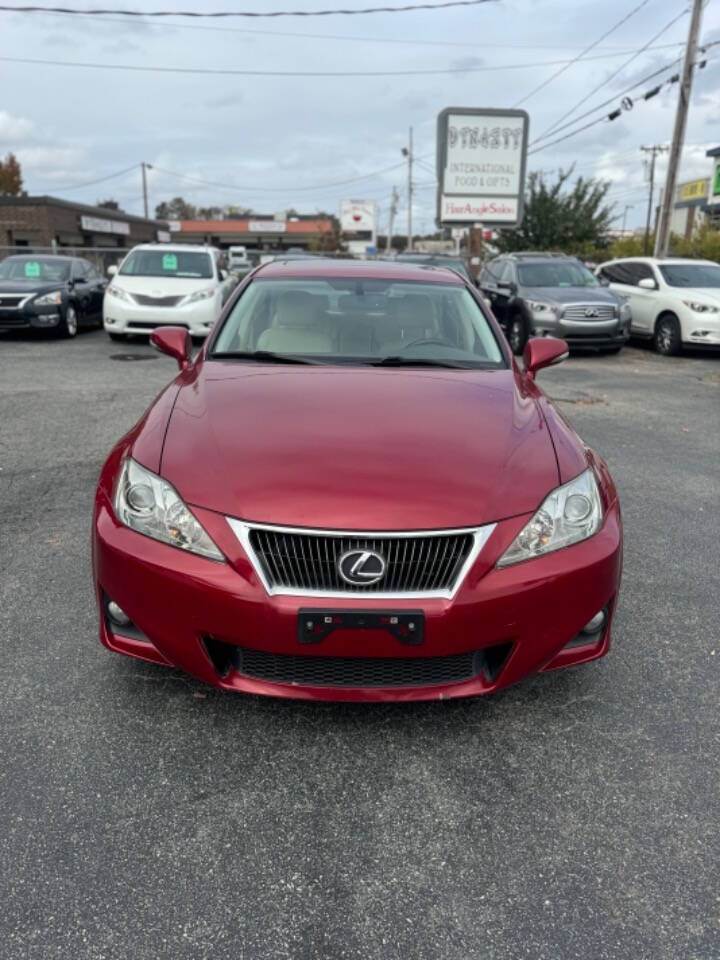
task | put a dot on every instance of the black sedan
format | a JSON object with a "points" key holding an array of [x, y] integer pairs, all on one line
{"points": [[50, 293]]}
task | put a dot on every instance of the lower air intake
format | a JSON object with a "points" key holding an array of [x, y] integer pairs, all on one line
{"points": [[319, 671]]}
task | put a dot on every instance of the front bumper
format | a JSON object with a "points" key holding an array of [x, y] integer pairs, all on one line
{"points": [[120, 316], [31, 317], [195, 613], [583, 334]]}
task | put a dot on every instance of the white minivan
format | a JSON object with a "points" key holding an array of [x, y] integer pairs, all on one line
{"points": [[158, 284], [238, 261]]}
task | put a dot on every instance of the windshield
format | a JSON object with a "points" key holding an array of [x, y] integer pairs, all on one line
{"points": [[563, 273], [691, 274], [361, 321], [168, 263], [35, 269]]}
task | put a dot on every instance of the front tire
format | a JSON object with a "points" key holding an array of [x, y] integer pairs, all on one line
{"points": [[666, 339], [68, 325], [517, 334]]}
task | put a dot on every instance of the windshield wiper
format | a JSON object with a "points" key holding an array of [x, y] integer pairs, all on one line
{"points": [[396, 361], [261, 356]]}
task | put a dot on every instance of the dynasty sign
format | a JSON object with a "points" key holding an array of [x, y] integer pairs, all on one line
{"points": [[481, 156]]}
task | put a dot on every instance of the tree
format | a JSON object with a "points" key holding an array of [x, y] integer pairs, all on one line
{"points": [[108, 204], [561, 217], [209, 213], [176, 209], [11, 181]]}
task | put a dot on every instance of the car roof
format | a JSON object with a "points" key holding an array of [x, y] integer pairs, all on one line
{"points": [[175, 247], [42, 256], [658, 260], [320, 269]]}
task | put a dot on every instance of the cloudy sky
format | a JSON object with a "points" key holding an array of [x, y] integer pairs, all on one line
{"points": [[275, 142]]}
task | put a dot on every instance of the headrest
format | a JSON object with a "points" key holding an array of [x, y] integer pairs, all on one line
{"points": [[416, 309], [296, 308]]}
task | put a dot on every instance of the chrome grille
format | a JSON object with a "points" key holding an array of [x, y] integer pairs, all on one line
{"points": [[11, 301], [156, 301], [307, 561], [601, 311]]}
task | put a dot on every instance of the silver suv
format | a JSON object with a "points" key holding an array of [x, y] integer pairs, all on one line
{"points": [[543, 294]]}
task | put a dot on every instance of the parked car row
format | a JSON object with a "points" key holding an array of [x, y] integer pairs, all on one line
{"points": [[671, 302]]}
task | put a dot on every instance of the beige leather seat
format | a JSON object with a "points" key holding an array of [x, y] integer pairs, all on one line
{"points": [[297, 326], [412, 318]]}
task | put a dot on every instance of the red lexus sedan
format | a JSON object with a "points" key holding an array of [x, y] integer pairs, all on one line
{"points": [[353, 493]]}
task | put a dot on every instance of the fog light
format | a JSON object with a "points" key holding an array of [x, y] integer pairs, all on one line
{"points": [[117, 614], [596, 623], [700, 333]]}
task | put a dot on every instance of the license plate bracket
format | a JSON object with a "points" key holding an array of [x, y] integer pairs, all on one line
{"points": [[407, 626]]}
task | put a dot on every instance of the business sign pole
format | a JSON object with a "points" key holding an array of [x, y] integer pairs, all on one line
{"points": [[481, 158]]}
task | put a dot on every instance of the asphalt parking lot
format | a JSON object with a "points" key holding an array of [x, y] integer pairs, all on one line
{"points": [[144, 815]]}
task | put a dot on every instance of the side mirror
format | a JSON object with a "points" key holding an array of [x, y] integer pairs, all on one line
{"points": [[647, 283], [223, 274], [175, 342], [543, 352], [111, 270]]}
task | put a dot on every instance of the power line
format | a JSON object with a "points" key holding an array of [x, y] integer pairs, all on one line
{"points": [[319, 186], [541, 86], [88, 183], [553, 127], [626, 104], [403, 41], [219, 71], [244, 13], [613, 99]]}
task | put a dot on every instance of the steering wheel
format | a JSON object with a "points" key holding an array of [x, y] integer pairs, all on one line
{"points": [[421, 341]]}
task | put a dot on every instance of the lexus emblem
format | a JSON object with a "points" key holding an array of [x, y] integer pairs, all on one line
{"points": [[591, 312], [361, 568]]}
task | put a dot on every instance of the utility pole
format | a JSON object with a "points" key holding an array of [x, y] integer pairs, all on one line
{"points": [[653, 151], [408, 152], [628, 206], [144, 167], [662, 238], [393, 210]]}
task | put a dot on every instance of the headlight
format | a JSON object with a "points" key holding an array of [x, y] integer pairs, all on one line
{"points": [[148, 504], [538, 306], [49, 298], [701, 307], [199, 295], [118, 292], [569, 514]]}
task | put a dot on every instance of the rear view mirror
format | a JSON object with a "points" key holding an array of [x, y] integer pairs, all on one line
{"points": [[647, 283], [543, 352], [175, 342]]}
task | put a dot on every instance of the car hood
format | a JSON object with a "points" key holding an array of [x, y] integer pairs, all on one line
{"points": [[25, 287], [571, 294], [707, 293], [358, 448], [162, 286]]}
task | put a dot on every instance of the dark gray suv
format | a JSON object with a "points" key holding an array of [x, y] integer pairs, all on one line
{"points": [[542, 294]]}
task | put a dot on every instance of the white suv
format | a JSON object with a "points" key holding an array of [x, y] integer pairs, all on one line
{"points": [[159, 284], [674, 302]]}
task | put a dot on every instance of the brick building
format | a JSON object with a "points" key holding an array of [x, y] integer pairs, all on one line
{"points": [[50, 222]]}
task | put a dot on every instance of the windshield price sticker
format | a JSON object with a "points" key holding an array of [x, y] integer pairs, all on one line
{"points": [[169, 261], [32, 269], [481, 165]]}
